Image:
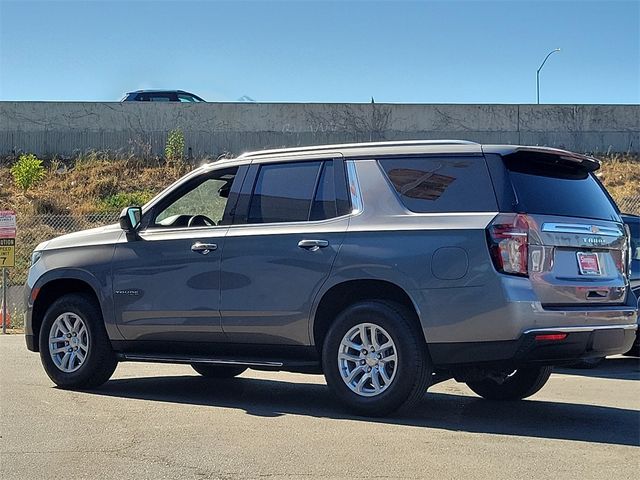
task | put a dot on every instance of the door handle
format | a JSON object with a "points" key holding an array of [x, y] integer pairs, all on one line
{"points": [[203, 248], [313, 245]]}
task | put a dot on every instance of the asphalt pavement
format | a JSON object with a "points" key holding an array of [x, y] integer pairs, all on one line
{"points": [[165, 422]]}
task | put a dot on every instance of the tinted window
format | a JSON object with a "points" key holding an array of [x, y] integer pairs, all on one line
{"points": [[283, 192], [324, 203], [187, 98], [203, 203], [441, 184], [161, 98], [556, 189]]}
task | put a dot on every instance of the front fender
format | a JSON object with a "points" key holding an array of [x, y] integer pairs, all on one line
{"points": [[101, 285]]}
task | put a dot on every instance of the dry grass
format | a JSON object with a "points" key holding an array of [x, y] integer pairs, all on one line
{"points": [[98, 182], [78, 195], [621, 175], [91, 184]]}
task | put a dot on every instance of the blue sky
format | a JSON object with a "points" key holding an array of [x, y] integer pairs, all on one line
{"points": [[339, 51]]}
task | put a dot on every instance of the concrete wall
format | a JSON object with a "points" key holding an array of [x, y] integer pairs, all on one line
{"points": [[48, 128]]}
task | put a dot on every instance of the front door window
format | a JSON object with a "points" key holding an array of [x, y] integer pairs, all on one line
{"points": [[202, 205]]}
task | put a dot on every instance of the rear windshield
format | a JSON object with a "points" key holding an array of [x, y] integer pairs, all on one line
{"points": [[556, 189]]}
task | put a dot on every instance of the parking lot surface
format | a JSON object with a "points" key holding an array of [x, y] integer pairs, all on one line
{"points": [[166, 422]]}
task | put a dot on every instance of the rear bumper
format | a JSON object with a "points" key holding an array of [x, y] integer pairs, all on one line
{"points": [[579, 343]]}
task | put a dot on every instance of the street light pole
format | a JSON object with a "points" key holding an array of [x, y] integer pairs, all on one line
{"points": [[538, 73]]}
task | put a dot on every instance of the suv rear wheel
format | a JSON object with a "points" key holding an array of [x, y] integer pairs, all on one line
{"points": [[217, 371], [375, 359], [522, 383], [74, 347]]}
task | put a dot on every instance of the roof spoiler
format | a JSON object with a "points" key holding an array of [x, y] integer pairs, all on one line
{"points": [[586, 162]]}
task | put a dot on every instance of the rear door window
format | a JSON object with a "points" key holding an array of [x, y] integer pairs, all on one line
{"points": [[284, 192], [296, 192], [547, 188], [441, 184]]}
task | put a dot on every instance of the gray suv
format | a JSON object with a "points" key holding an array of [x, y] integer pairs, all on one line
{"points": [[388, 267]]}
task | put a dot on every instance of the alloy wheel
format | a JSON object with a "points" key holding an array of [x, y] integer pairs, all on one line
{"points": [[367, 359], [68, 342]]}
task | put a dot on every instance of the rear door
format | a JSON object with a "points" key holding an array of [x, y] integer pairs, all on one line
{"points": [[288, 227], [577, 242]]}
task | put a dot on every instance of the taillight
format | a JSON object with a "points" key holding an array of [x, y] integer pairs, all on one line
{"points": [[550, 337], [508, 237]]}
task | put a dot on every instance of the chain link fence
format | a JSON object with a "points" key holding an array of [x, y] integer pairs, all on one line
{"points": [[630, 204], [33, 230]]}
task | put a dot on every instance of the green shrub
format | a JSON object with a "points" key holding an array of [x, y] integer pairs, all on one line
{"points": [[174, 149], [27, 171], [125, 199]]}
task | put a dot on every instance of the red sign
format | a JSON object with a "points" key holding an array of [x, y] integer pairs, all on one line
{"points": [[588, 263], [7, 224]]}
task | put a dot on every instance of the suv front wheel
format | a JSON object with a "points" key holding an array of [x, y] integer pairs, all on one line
{"points": [[74, 347], [375, 359]]}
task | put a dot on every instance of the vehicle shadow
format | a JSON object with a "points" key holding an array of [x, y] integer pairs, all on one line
{"points": [[618, 368], [269, 398]]}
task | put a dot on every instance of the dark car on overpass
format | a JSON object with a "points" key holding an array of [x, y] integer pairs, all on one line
{"points": [[161, 96]]}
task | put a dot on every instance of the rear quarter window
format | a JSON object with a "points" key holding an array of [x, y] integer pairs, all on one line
{"points": [[284, 192], [441, 184]]}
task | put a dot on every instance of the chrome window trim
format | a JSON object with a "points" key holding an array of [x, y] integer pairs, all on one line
{"points": [[356, 200], [581, 229], [288, 224], [158, 231]]}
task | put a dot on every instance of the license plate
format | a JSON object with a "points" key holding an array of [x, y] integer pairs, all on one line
{"points": [[588, 263]]}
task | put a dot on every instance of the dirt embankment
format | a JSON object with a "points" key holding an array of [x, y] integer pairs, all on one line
{"points": [[98, 183]]}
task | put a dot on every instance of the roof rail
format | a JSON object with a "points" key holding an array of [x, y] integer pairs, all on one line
{"points": [[344, 146]]}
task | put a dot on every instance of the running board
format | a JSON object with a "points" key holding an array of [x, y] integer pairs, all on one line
{"points": [[249, 363]]}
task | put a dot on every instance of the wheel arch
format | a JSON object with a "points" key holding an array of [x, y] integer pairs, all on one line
{"points": [[48, 290], [341, 295]]}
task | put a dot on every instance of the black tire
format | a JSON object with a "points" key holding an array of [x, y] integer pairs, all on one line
{"points": [[217, 371], [412, 371], [100, 361], [522, 384]]}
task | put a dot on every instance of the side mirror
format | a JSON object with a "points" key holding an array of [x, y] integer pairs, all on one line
{"points": [[130, 219]]}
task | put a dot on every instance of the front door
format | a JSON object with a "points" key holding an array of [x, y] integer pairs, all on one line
{"points": [[166, 282]]}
